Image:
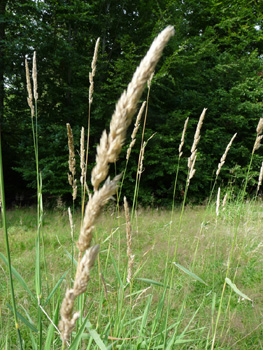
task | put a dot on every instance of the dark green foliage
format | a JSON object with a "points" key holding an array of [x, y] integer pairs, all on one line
{"points": [[214, 61]]}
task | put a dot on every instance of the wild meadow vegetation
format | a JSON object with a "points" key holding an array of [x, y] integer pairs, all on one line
{"points": [[113, 275]]}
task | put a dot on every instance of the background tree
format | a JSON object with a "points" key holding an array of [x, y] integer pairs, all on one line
{"points": [[213, 61]]}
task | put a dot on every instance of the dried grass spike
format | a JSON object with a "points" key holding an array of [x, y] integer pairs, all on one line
{"points": [[223, 158], [34, 76], [260, 177], [260, 126], [182, 138], [93, 210], [127, 104], [29, 90]]}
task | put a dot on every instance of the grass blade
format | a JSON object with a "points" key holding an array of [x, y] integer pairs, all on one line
{"points": [[189, 273], [74, 345], [51, 330], [236, 290], [23, 319], [55, 288], [96, 337], [149, 281]]}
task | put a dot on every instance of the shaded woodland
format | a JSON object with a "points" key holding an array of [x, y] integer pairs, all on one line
{"points": [[213, 61]]}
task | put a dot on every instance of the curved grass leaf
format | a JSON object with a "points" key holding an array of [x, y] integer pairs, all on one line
{"points": [[96, 337], [51, 329], [236, 290], [24, 320], [55, 288], [189, 273], [74, 345], [149, 281]]}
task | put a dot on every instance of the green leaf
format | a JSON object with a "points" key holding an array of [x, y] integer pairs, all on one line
{"points": [[18, 277], [149, 281], [96, 337], [236, 290], [70, 257], [24, 320], [74, 345], [51, 329], [189, 273], [55, 288]]}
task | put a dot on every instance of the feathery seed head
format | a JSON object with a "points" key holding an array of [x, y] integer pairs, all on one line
{"points": [[260, 126], [34, 76], [29, 90], [93, 210], [223, 158], [182, 138]]}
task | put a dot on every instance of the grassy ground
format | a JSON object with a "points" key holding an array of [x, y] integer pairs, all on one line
{"points": [[145, 309]]}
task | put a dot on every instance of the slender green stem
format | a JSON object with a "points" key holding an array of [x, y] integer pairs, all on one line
{"points": [[7, 247], [232, 250]]}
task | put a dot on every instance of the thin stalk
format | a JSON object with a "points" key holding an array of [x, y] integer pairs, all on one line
{"points": [[231, 251], [138, 176], [7, 248]]}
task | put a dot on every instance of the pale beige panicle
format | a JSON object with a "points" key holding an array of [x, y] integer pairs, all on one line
{"points": [[29, 90], [191, 171], [257, 143], [75, 189], [195, 143], [93, 210], [71, 223], [71, 161], [223, 158], [127, 104], [149, 81], [260, 177], [101, 169], [82, 155], [34, 76], [129, 241], [182, 138], [198, 130], [85, 266], [260, 126], [135, 130], [92, 73], [141, 158], [218, 202], [68, 321]]}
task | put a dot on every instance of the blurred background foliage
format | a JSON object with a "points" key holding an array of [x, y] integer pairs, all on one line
{"points": [[213, 61]]}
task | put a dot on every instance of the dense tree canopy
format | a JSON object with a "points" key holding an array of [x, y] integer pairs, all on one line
{"points": [[213, 61]]}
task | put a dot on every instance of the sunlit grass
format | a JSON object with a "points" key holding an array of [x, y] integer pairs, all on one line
{"points": [[150, 238]]}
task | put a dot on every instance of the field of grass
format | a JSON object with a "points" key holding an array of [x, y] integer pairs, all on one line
{"points": [[109, 278], [134, 313]]}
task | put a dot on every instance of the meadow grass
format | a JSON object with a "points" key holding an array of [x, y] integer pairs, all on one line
{"points": [[240, 325]]}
